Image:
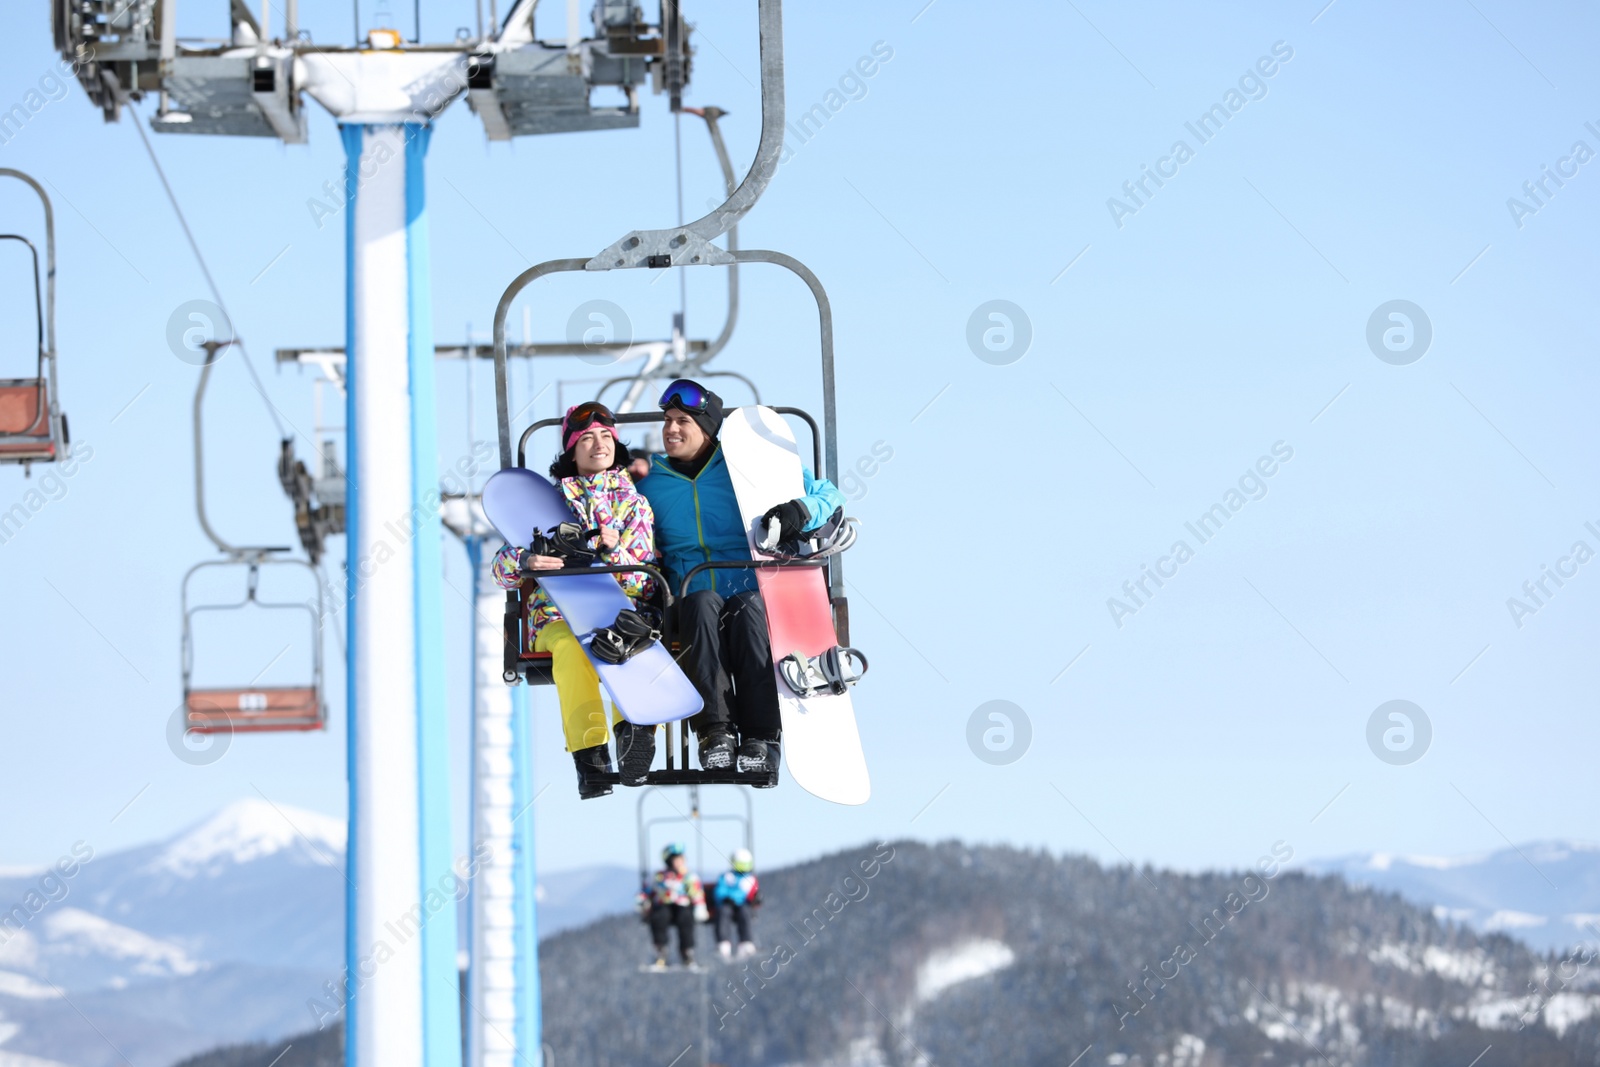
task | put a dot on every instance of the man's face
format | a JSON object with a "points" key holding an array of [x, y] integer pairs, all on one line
{"points": [[682, 437]]}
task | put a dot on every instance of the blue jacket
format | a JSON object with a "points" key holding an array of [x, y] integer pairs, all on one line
{"points": [[736, 888], [697, 520]]}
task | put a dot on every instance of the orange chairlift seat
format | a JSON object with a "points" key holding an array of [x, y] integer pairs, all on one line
{"points": [[252, 708], [32, 427]]}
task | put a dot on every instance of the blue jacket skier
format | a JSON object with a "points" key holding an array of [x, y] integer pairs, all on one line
{"points": [[722, 623], [735, 898]]}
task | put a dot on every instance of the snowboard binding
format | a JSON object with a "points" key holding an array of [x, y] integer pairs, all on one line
{"points": [[832, 672], [829, 539], [567, 542], [625, 638]]}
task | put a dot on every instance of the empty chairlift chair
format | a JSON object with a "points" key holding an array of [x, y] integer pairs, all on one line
{"points": [[251, 708], [32, 427]]}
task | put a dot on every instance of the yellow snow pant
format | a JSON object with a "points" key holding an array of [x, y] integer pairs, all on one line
{"points": [[583, 715]]}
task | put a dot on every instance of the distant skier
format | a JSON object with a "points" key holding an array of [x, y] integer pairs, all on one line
{"points": [[591, 473], [675, 898], [722, 623], [735, 898]]}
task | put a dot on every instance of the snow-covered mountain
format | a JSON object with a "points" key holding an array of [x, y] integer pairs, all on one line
{"points": [[1545, 893], [218, 934]]}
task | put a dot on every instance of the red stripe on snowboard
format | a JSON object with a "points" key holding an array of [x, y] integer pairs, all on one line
{"points": [[799, 618]]}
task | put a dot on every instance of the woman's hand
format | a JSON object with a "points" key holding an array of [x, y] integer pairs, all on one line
{"points": [[608, 538], [639, 468], [542, 563]]}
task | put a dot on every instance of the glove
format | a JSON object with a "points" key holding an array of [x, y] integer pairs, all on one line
{"points": [[792, 517], [701, 915]]}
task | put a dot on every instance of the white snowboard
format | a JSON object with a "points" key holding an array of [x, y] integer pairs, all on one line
{"points": [[821, 745]]}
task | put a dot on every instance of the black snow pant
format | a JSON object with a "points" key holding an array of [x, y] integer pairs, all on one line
{"points": [[663, 917], [730, 915], [727, 654]]}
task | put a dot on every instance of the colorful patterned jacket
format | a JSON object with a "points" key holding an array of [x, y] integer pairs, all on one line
{"points": [[671, 888], [607, 499]]}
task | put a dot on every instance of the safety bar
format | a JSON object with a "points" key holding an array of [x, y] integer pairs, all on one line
{"points": [[610, 568], [631, 417], [746, 565]]}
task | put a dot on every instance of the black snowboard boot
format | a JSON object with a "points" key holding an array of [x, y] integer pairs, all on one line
{"points": [[591, 762], [636, 750], [759, 757], [716, 749]]}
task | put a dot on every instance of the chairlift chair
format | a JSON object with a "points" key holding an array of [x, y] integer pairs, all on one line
{"points": [[685, 246], [252, 708], [32, 427], [522, 664]]}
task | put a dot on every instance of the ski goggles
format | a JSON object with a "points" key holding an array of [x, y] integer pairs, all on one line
{"points": [[687, 396], [581, 417]]}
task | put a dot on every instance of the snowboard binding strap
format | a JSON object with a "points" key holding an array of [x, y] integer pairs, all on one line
{"points": [[624, 639], [829, 539], [831, 673], [567, 542]]}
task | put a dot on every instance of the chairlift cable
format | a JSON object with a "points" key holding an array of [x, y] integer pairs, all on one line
{"points": [[216, 294]]}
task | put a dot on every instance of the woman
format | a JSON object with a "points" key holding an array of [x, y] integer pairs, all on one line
{"points": [[591, 473], [674, 898]]}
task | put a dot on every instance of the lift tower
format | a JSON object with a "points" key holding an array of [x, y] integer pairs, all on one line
{"points": [[400, 984]]}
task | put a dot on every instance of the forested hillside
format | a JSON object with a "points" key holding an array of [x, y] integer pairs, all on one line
{"points": [[951, 954]]}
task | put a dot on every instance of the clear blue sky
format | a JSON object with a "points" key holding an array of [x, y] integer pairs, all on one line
{"points": [[1227, 314]]}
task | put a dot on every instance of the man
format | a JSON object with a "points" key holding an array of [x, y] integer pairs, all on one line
{"points": [[736, 897], [721, 625]]}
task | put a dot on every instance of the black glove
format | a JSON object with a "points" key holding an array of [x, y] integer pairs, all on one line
{"points": [[792, 517]]}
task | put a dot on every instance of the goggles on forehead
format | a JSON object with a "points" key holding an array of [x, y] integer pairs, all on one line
{"points": [[581, 417], [686, 396]]}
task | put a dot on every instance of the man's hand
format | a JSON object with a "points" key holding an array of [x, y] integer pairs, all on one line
{"points": [[608, 538], [792, 517], [639, 468]]}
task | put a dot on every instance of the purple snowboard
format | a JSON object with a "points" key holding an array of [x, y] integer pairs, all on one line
{"points": [[647, 689]]}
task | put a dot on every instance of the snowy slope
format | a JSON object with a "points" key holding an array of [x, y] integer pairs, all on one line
{"points": [[1546, 894]]}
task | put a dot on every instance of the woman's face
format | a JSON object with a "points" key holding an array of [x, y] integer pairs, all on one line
{"points": [[595, 451], [680, 865]]}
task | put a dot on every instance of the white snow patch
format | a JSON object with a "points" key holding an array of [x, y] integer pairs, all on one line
{"points": [[1513, 920], [13, 984], [250, 830], [1502, 1014], [22, 950], [80, 932], [961, 963], [1395, 956], [1465, 967], [1383, 861], [1189, 1051], [1564, 1009]]}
